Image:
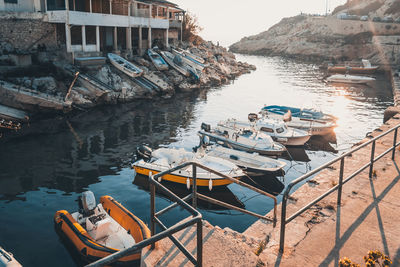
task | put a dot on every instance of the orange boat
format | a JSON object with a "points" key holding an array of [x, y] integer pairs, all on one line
{"points": [[97, 231], [365, 68]]}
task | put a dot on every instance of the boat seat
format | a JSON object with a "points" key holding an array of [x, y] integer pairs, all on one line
{"points": [[101, 230]]}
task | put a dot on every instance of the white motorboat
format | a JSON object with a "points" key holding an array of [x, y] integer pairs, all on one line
{"points": [[124, 65], [242, 139], [353, 79], [275, 128], [250, 162], [170, 60], [7, 259], [163, 159], [311, 126]]}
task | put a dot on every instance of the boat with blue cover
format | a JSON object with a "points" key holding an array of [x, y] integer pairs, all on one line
{"points": [[157, 60], [306, 113]]}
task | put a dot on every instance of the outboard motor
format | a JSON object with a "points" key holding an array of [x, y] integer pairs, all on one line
{"points": [[143, 152], [252, 117], [87, 203], [206, 127]]}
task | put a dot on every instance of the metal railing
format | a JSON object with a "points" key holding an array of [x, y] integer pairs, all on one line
{"points": [[341, 181], [187, 222]]}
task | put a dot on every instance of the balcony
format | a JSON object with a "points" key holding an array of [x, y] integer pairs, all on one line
{"points": [[175, 24]]}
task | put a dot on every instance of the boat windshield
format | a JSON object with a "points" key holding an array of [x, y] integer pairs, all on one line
{"points": [[280, 130]]}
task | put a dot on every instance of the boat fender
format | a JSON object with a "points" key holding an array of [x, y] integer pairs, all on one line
{"points": [[210, 184], [188, 183], [252, 117], [143, 152], [206, 127]]}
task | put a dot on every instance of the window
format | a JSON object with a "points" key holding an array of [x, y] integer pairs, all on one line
{"points": [[268, 130], [11, 1], [279, 130]]}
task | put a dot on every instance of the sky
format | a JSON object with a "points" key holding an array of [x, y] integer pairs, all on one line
{"points": [[227, 21]]}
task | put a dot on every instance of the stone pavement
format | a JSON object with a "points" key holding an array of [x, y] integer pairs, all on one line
{"points": [[366, 220]]}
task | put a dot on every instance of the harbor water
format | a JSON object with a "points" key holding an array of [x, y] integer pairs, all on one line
{"points": [[46, 169]]}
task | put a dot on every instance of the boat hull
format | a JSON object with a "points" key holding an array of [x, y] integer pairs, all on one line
{"points": [[292, 140], [87, 247], [352, 70], [182, 179]]}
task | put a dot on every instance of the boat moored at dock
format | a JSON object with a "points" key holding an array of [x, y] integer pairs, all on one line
{"points": [[97, 231], [163, 159], [364, 68], [352, 79], [305, 113]]}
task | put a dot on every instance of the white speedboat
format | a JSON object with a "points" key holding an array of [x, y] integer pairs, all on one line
{"points": [[169, 58], [242, 139], [274, 128], [250, 162], [163, 159], [124, 65], [353, 79], [7, 259]]}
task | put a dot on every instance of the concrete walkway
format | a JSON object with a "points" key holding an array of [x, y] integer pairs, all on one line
{"points": [[366, 220]]}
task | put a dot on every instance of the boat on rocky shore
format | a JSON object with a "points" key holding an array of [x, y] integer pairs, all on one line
{"points": [[244, 139], [97, 231], [169, 58], [351, 79], [189, 60], [190, 55], [124, 65], [157, 60], [277, 129], [163, 159]]}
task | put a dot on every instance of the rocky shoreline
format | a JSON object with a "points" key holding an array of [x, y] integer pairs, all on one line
{"points": [[49, 78]]}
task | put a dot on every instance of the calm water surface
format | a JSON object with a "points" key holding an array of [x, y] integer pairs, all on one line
{"points": [[47, 170]]}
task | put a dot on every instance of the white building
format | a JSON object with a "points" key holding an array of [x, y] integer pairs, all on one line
{"points": [[106, 25]]}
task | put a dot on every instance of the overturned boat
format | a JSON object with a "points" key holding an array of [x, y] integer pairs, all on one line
{"points": [[163, 159], [97, 231], [157, 60], [242, 139], [272, 127], [124, 65]]}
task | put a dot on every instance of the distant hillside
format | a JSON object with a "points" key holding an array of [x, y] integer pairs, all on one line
{"points": [[320, 37]]}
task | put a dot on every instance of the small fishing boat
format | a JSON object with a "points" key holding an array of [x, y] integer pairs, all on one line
{"points": [[169, 58], [97, 231], [124, 65], [364, 68], [7, 259], [163, 159], [249, 162], [242, 139], [276, 129], [189, 60], [157, 60], [305, 113], [352, 79], [310, 125], [189, 54], [193, 71]]}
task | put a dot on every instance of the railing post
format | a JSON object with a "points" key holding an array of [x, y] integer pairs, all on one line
{"points": [[371, 166], [394, 143], [283, 222], [200, 243], [194, 192], [339, 198], [152, 209]]}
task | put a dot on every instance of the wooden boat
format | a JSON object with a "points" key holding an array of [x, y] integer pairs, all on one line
{"points": [[242, 139], [9, 113], [304, 113], [365, 68], [249, 162], [7, 259], [163, 159], [169, 58], [353, 79], [157, 60], [276, 129], [97, 231], [124, 65], [188, 60]]}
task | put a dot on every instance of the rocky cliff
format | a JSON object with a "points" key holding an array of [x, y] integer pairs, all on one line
{"points": [[327, 38]]}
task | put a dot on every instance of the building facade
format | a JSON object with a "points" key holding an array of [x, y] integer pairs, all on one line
{"points": [[106, 25]]}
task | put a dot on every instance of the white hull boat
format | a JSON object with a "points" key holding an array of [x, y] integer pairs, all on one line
{"points": [[191, 55], [163, 159], [188, 60], [353, 79], [274, 128], [169, 58], [242, 139], [7, 259], [157, 60], [250, 162], [124, 65]]}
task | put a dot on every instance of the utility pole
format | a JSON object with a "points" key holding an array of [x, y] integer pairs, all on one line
{"points": [[326, 8]]}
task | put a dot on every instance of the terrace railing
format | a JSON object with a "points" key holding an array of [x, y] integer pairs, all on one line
{"points": [[341, 179]]}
